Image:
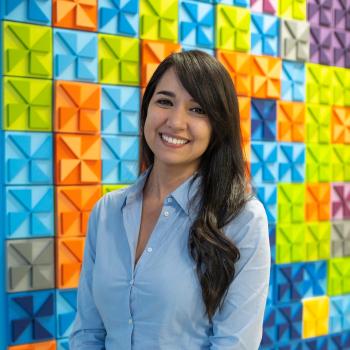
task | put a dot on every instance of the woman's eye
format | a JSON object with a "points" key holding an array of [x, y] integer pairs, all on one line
{"points": [[164, 102], [198, 110]]}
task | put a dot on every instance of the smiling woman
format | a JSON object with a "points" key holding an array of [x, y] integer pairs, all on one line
{"points": [[181, 259]]}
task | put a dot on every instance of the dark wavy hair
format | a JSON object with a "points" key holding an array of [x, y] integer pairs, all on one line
{"points": [[223, 187]]}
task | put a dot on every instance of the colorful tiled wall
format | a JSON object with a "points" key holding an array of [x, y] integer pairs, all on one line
{"points": [[72, 72]]}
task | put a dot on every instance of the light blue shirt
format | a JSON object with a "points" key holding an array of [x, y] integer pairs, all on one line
{"points": [[158, 304]]}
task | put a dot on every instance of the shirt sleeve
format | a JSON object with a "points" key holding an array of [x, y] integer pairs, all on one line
{"points": [[88, 331], [238, 326]]}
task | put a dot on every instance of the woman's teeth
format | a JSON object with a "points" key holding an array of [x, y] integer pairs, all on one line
{"points": [[173, 140]]}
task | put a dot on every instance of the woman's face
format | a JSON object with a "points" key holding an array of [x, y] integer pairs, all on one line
{"points": [[177, 129]]}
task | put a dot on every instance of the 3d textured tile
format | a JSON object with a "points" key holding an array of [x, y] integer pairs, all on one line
{"points": [[293, 81], [315, 316], [239, 67], [318, 122], [264, 34], [318, 166], [291, 203], [27, 104], [295, 37], [77, 107], [30, 264], [292, 9], [42, 345], [288, 324], [118, 59], [267, 194], [341, 48], [73, 207], [242, 3], [75, 55], [290, 121], [244, 104], [320, 13], [340, 201], [341, 87], [340, 125], [31, 317], [318, 79], [263, 120], [318, 202], [75, 15], [266, 6], [291, 162], [28, 211], [339, 314], [315, 278], [118, 17], [63, 344], [196, 22], [159, 20], [27, 50], [119, 159], [77, 159], [66, 307], [152, 53], [340, 238], [232, 28], [321, 45], [28, 158], [317, 240], [338, 276], [341, 12], [340, 162], [33, 11], [69, 256]]}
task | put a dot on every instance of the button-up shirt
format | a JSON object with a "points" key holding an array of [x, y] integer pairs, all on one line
{"points": [[157, 304]]}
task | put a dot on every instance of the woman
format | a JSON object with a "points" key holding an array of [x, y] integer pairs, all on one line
{"points": [[180, 260]]}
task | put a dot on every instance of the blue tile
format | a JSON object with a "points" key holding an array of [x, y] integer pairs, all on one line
{"points": [[263, 120], [293, 81], [267, 194], [339, 316], [66, 301], [291, 162]]}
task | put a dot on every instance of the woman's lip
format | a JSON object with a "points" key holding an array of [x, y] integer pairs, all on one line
{"points": [[172, 145], [173, 136]]}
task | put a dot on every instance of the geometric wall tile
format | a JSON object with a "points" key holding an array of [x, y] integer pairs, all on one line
{"points": [[27, 50], [264, 35], [77, 107], [317, 240], [110, 188], [118, 60], [340, 199], [339, 318], [242, 3], [238, 65], [118, 17], [293, 81], [266, 77], [269, 336], [266, 6], [341, 86], [69, 256], [42, 345], [339, 276], [315, 316], [340, 125], [314, 279], [232, 28], [318, 122], [159, 20], [290, 121], [292, 9], [28, 158], [267, 194], [29, 212], [196, 24], [318, 202], [339, 340], [120, 107], [66, 307], [73, 207], [340, 162], [341, 13], [30, 264], [263, 120], [27, 104], [340, 48], [318, 82], [340, 238], [294, 40], [321, 45], [31, 317], [288, 322], [119, 159], [320, 13], [291, 162], [75, 55], [291, 203], [152, 53], [318, 166], [63, 344], [244, 104], [33, 11], [272, 239], [77, 159], [73, 14]]}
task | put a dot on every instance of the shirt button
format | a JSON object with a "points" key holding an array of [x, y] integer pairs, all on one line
{"points": [[149, 249], [170, 200], [130, 321], [166, 213]]}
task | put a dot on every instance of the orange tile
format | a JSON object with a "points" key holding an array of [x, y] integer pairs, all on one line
{"points": [[75, 14], [152, 53], [73, 207], [290, 121], [77, 159], [46, 345], [266, 77], [318, 202], [77, 107], [340, 125], [244, 113], [239, 67], [69, 257]]}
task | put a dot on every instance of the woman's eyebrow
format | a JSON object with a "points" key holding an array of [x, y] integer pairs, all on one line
{"points": [[167, 93]]}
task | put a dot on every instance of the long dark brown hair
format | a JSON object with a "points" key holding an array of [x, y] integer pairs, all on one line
{"points": [[222, 191]]}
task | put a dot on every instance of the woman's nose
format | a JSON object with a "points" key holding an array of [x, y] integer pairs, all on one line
{"points": [[177, 118]]}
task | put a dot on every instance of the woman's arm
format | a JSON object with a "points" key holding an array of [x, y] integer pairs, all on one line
{"points": [[88, 330], [238, 326]]}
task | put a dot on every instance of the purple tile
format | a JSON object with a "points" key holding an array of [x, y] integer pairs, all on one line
{"points": [[321, 45], [341, 48], [320, 13], [341, 14]]}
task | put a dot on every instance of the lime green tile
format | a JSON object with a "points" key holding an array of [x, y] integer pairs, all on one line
{"points": [[340, 163], [159, 20], [291, 203], [295, 9], [317, 241], [109, 188], [27, 50], [318, 163], [338, 276], [27, 104], [118, 60], [232, 28], [318, 121], [341, 86], [319, 84]]}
